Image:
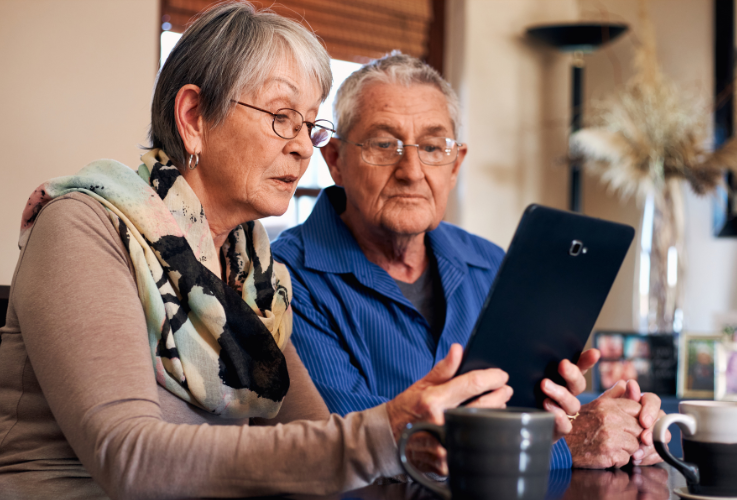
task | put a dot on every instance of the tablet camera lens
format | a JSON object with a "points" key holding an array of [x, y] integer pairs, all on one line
{"points": [[576, 247]]}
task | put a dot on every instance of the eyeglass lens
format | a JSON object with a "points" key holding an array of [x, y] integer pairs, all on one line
{"points": [[387, 151], [321, 133], [288, 123]]}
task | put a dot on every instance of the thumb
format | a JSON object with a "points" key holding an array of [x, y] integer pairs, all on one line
{"points": [[447, 367], [616, 391]]}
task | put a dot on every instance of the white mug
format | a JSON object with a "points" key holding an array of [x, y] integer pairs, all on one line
{"points": [[709, 436]]}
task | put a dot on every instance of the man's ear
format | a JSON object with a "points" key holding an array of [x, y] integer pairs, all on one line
{"points": [[331, 155], [457, 165], [189, 120]]}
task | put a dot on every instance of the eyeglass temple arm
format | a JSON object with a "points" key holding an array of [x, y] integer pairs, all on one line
{"points": [[253, 107], [315, 124]]}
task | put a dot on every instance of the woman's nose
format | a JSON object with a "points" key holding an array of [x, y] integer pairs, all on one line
{"points": [[302, 144]]}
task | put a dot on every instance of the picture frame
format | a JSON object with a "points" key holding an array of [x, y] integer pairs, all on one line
{"points": [[725, 383], [696, 365], [649, 359]]}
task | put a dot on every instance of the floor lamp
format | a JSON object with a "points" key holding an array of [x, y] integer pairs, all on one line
{"points": [[577, 39]]}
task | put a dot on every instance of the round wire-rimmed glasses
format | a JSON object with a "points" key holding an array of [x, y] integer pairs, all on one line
{"points": [[288, 122], [387, 151]]}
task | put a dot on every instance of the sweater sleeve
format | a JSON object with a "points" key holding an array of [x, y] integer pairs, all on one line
{"points": [[85, 334]]}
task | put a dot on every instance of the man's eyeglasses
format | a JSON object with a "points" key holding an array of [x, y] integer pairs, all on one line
{"points": [[288, 122], [388, 151]]}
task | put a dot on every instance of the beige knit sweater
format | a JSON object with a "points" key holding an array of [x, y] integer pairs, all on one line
{"points": [[81, 415]]}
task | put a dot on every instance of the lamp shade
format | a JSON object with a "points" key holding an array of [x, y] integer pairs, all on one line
{"points": [[572, 37]]}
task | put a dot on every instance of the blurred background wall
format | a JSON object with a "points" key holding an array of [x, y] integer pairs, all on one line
{"points": [[516, 96], [78, 76]]}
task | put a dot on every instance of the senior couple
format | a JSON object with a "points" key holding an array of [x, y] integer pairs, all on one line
{"points": [[149, 346]]}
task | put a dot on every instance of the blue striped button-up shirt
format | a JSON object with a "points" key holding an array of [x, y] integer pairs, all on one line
{"points": [[361, 340]]}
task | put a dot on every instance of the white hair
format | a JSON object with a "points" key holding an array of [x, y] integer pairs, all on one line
{"points": [[230, 48], [396, 68]]}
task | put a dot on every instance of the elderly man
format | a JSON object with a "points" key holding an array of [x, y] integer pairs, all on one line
{"points": [[383, 288]]}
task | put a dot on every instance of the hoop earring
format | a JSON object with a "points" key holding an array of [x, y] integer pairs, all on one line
{"points": [[196, 161]]}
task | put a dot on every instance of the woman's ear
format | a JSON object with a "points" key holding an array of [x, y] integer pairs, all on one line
{"points": [[189, 120]]}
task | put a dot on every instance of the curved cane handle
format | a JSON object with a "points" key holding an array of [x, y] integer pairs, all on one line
{"points": [[688, 426], [439, 433]]}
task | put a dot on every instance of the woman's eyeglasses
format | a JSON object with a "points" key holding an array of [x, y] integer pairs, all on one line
{"points": [[388, 151], [288, 122]]}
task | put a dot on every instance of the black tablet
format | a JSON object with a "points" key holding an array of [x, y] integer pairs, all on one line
{"points": [[545, 298]]}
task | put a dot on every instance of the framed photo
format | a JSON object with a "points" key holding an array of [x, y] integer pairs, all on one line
{"points": [[649, 359], [726, 372], [611, 345], [696, 365]]}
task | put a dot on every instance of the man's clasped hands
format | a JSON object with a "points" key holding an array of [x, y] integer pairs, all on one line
{"points": [[610, 431]]}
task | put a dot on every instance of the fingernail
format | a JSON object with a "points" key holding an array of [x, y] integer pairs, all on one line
{"points": [[647, 420], [637, 462], [638, 455]]}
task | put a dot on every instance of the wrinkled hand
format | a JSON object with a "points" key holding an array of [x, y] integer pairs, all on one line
{"points": [[649, 414], [607, 431], [429, 397], [561, 400], [647, 483]]}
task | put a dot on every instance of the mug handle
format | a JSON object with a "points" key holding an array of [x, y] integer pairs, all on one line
{"points": [[688, 426], [438, 433]]}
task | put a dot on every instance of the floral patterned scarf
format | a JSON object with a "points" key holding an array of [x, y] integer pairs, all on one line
{"points": [[215, 344]]}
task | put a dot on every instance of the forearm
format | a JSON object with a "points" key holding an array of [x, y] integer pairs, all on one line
{"points": [[144, 457]]}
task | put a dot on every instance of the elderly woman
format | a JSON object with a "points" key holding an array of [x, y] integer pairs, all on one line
{"points": [[148, 323]]}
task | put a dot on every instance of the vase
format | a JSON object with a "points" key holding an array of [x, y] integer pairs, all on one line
{"points": [[661, 262]]}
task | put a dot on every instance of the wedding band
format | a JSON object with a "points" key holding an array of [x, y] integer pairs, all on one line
{"points": [[572, 417]]}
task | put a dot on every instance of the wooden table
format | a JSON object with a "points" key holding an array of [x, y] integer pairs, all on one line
{"points": [[653, 483], [633, 483]]}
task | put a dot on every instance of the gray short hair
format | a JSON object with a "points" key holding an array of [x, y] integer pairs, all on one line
{"points": [[230, 48], [396, 68]]}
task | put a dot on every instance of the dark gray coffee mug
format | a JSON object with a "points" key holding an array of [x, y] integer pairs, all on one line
{"points": [[709, 438], [504, 453]]}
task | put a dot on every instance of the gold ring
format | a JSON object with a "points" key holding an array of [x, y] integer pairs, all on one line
{"points": [[573, 417]]}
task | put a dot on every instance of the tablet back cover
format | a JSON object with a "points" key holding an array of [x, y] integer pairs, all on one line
{"points": [[544, 301]]}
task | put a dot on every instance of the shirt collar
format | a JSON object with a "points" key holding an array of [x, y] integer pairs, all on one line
{"points": [[450, 243], [330, 247]]}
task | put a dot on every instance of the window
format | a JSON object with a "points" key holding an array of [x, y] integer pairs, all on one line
{"points": [[317, 175]]}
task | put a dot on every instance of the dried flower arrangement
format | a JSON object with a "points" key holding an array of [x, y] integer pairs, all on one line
{"points": [[649, 133], [644, 141]]}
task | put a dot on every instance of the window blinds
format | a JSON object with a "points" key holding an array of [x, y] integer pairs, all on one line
{"points": [[352, 30]]}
